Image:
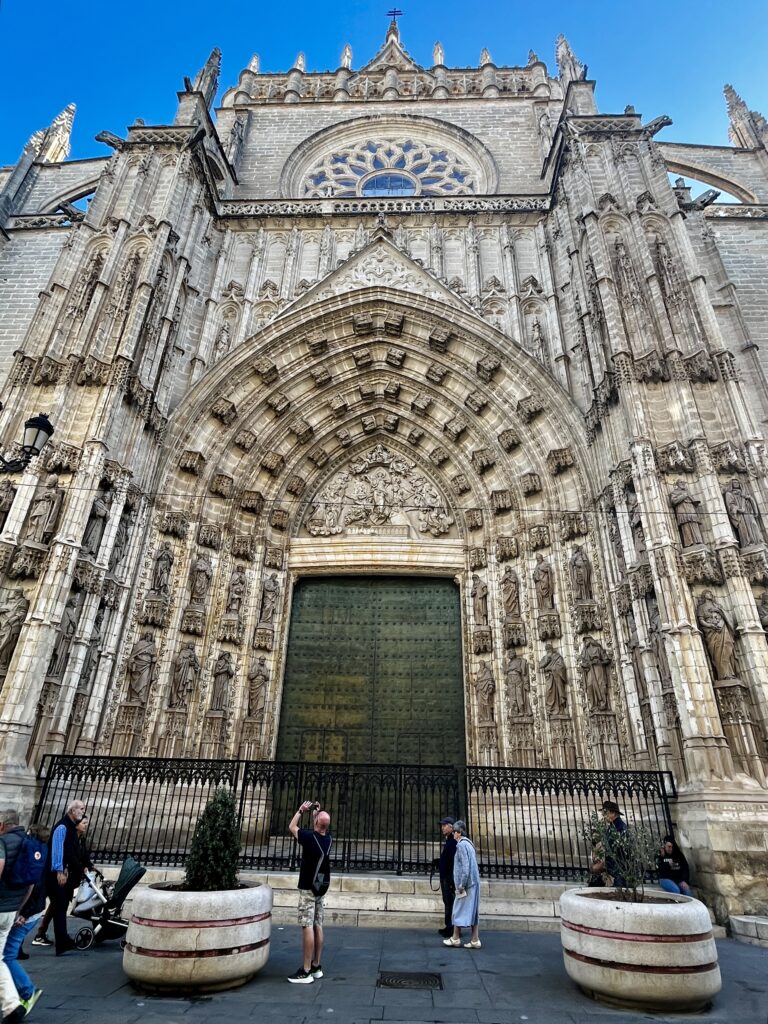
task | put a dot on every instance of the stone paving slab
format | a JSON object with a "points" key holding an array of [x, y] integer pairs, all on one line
{"points": [[514, 979]]}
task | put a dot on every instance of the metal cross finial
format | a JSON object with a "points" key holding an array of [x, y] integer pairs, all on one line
{"points": [[394, 14]]}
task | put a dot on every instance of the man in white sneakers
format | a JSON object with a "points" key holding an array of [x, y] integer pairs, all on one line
{"points": [[314, 878]]}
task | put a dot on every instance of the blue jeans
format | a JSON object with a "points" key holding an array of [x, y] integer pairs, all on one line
{"points": [[669, 886], [13, 943]]}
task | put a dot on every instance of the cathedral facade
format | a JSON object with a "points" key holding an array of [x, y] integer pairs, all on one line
{"points": [[395, 323]]}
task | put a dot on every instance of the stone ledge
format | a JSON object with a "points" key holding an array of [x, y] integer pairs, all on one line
{"points": [[749, 929]]}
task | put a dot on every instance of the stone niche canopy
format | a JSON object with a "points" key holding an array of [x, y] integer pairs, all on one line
{"points": [[379, 492]]}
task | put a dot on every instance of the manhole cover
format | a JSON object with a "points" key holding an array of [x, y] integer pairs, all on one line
{"points": [[409, 979]]}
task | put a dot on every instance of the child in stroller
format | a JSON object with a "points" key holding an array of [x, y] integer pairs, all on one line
{"points": [[100, 903]]}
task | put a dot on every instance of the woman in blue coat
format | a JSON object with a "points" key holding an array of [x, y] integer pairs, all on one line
{"points": [[466, 877]]}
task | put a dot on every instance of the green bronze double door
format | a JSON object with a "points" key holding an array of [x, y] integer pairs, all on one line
{"points": [[373, 672]]}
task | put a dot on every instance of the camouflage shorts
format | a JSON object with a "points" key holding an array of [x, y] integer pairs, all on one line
{"points": [[311, 909]]}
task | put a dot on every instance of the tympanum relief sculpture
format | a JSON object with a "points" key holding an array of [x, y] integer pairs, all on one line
{"points": [[381, 493]]}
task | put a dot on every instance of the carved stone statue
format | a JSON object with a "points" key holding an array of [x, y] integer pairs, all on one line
{"points": [[595, 662], [485, 685], [64, 639], [91, 659], [656, 637], [186, 669], [742, 513], [120, 543], [94, 529], [553, 669], [636, 524], [762, 610], [223, 671], [581, 574], [236, 591], [142, 667], [12, 615], [518, 684], [510, 595], [44, 511], [686, 514], [718, 635], [7, 494], [544, 583], [200, 579], [258, 681], [479, 600], [161, 575], [270, 595]]}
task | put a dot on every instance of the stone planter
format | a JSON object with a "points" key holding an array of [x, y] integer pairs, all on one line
{"points": [[197, 941], [657, 955]]}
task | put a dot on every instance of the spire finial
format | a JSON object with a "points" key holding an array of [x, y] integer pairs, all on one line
{"points": [[207, 79], [570, 67], [393, 32], [52, 143], [736, 105]]}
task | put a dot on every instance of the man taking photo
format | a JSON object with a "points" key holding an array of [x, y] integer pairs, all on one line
{"points": [[314, 878]]}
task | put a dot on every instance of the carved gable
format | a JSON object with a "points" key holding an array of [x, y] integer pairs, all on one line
{"points": [[379, 493]]}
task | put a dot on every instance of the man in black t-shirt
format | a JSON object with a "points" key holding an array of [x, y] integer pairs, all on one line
{"points": [[314, 878]]}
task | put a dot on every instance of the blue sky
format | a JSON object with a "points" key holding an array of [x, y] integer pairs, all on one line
{"points": [[118, 60]]}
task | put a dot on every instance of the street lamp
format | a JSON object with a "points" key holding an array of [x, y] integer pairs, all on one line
{"points": [[37, 430]]}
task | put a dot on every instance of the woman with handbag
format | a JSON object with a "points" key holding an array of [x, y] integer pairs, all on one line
{"points": [[466, 877]]}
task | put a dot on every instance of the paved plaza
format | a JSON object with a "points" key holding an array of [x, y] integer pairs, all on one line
{"points": [[514, 977]]}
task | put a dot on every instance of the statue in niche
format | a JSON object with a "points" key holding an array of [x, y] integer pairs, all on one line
{"points": [[545, 131], [686, 515], [64, 639], [635, 652], [719, 636], [517, 678], [90, 661], [595, 662], [555, 674], [97, 521], [762, 610], [7, 494], [44, 512], [742, 512], [485, 685], [142, 667], [581, 574], [161, 574], [636, 523], [258, 681], [186, 669], [479, 600], [270, 594], [544, 584], [223, 671], [12, 616], [236, 591], [510, 595], [656, 637], [120, 543], [200, 579]]}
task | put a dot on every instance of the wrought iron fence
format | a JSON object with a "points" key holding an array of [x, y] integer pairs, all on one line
{"points": [[525, 822]]}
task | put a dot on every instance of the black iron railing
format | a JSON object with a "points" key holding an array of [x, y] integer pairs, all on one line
{"points": [[525, 822]]}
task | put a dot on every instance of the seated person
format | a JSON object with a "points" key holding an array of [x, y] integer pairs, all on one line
{"points": [[672, 867]]}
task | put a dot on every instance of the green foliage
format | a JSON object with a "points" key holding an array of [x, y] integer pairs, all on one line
{"points": [[631, 854], [215, 848]]}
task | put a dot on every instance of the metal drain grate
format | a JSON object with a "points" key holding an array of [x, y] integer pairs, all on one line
{"points": [[409, 979]]}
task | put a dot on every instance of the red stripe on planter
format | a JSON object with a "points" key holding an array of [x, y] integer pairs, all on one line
{"points": [[223, 923], [634, 936], [186, 954], [611, 965]]}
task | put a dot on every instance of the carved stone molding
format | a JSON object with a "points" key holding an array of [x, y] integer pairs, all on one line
{"points": [[110, 593], [439, 339], [478, 558], [48, 372], [61, 458], [530, 483], [474, 518], [224, 410], [362, 324], [455, 427], [94, 373], [529, 408], [368, 423], [391, 422], [586, 617], [279, 518], [730, 562], [651, 369], [476, 401], [559, 459], [726, 364], [700, 368], [415, 436], [483, 459], [572, 524], [209, 536], [344, 437], [514, 634], [279, 403], [318, 456], [252, 501], [243, 546], [755, 565], [272, 462], [439, 455], [623, 597], [296, 485], [222, 485], [193, 621], [363, 358], [395, 356], [460, 484], [263, 638], [192, 462], [421, 403], [245, 440], [728, 457], [539, 537], [548, 626], [339, 405], [231, 629], [509, 440], [436, 373], [507, 548], [274, 557], [302, 429], [392, 390], [174, 523], [482, 641], [701, 566], [88, 577], [393, 324], [27, 562], [674, 458], [266, 369], [317, 346], [156, 611], [320, 376], [641, 580], [487, 368], [502, 501]]}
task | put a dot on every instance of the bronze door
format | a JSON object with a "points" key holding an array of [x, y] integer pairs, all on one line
{"points": [[373, 672]]}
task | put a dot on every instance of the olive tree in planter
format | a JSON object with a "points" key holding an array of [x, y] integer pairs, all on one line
{"points": [[209, 933], [631, 947]]}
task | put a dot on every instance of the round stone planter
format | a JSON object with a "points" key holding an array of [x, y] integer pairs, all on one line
{"points": [[655, 955], [197, 941]]}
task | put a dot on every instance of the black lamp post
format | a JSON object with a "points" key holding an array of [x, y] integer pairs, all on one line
{"points": [[37, 430]]}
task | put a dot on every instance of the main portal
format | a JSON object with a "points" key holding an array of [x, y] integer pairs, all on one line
{"points": [[374, 672]]}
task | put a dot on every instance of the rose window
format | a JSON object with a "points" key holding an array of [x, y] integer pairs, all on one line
{"points": [[387, 168]]}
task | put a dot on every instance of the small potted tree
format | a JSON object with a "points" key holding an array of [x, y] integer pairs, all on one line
{"points": [[629, 946], [210, 932]]}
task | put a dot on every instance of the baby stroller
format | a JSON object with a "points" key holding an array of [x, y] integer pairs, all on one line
{"points": [[100, 904]]}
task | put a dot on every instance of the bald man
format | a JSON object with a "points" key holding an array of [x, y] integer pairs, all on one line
{"points": [[314, 878]]}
